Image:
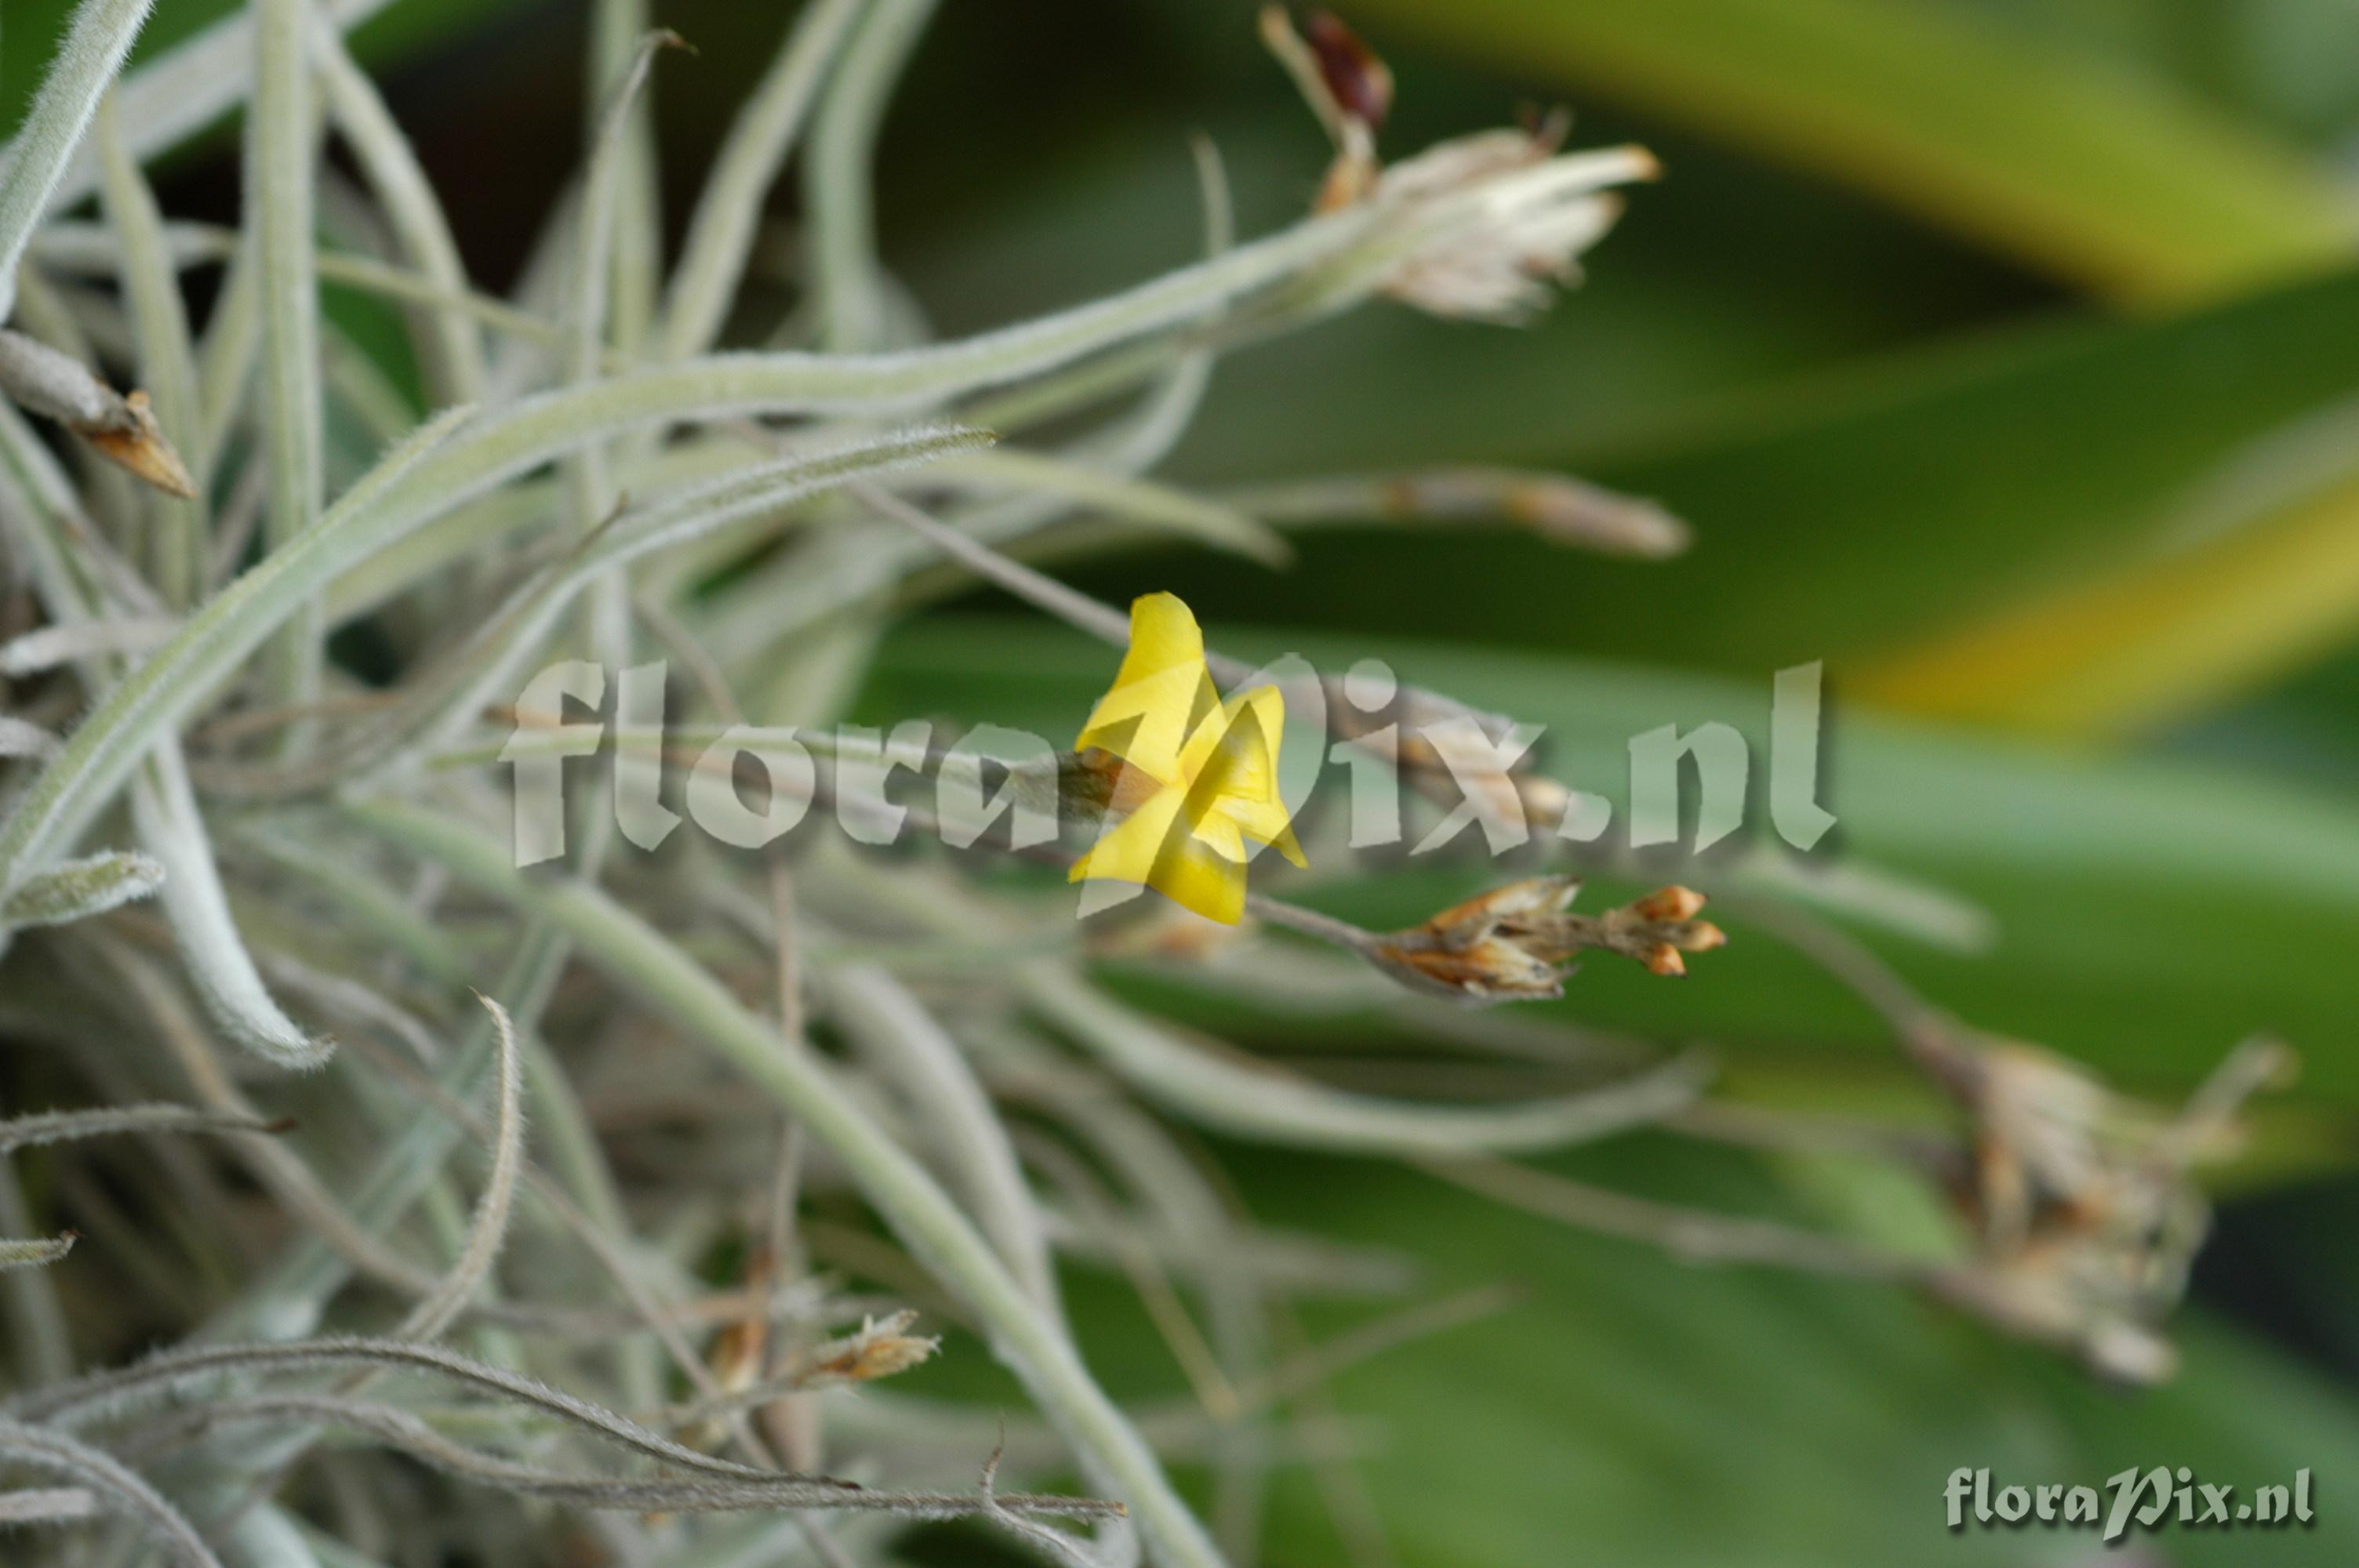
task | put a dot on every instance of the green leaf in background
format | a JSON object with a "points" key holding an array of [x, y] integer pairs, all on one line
{"points": [[2155, 641], [2121, 183], [1625, 1408], [2291, 65], [1636, 1411]]}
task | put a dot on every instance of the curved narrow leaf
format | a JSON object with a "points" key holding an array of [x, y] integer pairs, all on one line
{"points": [[80, 889], [35, 160]]}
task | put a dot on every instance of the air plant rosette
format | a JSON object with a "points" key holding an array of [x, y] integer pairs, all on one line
{"points": [[750, 1137]]}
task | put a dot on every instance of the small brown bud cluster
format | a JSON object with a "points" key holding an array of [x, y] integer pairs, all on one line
{"points": [[1660, 926], [1512, 943]]}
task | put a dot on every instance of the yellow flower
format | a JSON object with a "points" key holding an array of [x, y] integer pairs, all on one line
{"points": [[1199, 775]]}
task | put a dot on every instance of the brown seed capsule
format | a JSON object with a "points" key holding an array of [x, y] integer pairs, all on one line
{"points": [[1702, 936], [1672, 902], [57, 386], [1360, 82]]}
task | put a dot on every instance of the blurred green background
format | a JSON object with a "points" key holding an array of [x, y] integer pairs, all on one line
{"points": [[2005, 354]]}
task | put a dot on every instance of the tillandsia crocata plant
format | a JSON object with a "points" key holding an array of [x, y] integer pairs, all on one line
{"points": [[278, 998]]}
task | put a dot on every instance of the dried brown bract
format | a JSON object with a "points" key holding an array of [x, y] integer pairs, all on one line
{"points": [[740, 1354], [57, 386], [136, 444], [879, 1350]]}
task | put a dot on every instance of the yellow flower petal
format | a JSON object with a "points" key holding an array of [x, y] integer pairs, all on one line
{"points": [[1127, 853], [1237, 777], [1216, 763], [1152, 849], [1160, 694], [1202, 880], [1236, 752], [1216, 833], [1261, 824]]}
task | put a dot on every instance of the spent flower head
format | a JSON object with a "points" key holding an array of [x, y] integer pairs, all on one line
{"points": [[2083, 1206], [1519, 212]]}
